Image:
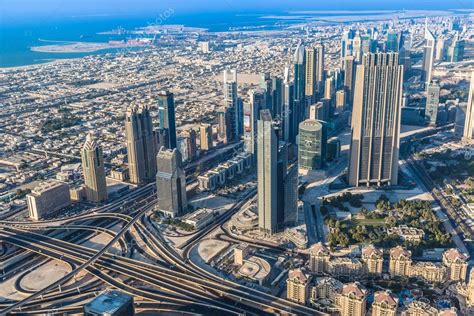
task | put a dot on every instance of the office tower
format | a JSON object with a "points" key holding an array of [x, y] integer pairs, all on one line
{"points": [[457, 264], [225, 129], [167, 117], [428, 55], [277, 97], [372, 258], [253, 108], [205, 136], [171, 183], [432, 102], [190, 137], [329, 88], [297, 286], [456, 50], [469, 121], [357, 47], [376, 121], [314, 72], [232, 101], [333, 149], [346, 45], [353, 300], [440, 50], [141, 150], [93, 170], [319, 257], [290, 129], [47, 198], [400, 262], [349, 78], [340, 100], [385, 304], [312, 145], [393, 42], [460, 119], [267, 152], [287, 188], [299, 81]]}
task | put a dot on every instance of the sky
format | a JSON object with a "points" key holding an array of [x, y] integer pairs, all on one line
{"points": [[25, 8]]}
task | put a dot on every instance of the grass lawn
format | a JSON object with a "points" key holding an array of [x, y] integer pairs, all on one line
{"points": [[368, 222]]}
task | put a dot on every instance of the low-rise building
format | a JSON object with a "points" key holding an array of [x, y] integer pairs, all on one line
{"points": [[419, 308], [385, 304], [110, 303], [407, 233], [456, 262], [400, 262], [350, 268], [297, 286], [47, 198], [200, 218], [372, 258], [429, 271], [353, 300], [319, 258]]}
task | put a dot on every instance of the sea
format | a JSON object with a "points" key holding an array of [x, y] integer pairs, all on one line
{"points": [[19, 35]]}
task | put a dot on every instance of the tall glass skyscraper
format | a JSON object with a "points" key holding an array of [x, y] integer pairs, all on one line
{"points": [[167, 117], [312, 143], [428, 55], [432, 102], [299, 64], [376, 121], [141, 144], [93, 169]]}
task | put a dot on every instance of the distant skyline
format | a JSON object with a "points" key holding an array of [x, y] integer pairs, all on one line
{"points": [[12, 9]]}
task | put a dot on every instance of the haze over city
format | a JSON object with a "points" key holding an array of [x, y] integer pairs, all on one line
{"points": [[236, 157]]}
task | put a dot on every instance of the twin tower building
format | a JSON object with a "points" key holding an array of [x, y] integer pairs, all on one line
{"points": [[145, 165]]}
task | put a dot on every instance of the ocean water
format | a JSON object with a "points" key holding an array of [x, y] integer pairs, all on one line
{"points": [[17, 38]]}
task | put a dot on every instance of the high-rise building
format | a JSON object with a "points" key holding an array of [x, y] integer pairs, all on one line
{"points": [[340, 101], [456, 50], [456, 262], [419, 308], [393, 42], [93, 170], [299, 81], [256, 103], [349, 78], [167, 117], [267, 158], [290, 119], [141, 144], [400, 262], [440, 50], [329, 88], [319, 257], [385, 304], [353, 300], [432, 102], [297, 286], [232, 101], [225, 131], [428, 55], [190, 137], [314, 71], [205, 136], [376, 121], [460, 119], [312, 145], [171, 183], [372, 258], [46, 198], [469, 120]]}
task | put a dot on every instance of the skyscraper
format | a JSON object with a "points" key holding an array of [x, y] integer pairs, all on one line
{"points": [[232, 101], [432, 102], [299, 81], [171, 183], [312, 145], [267, 152], [290, 127], [93, 169], [256, 104], [277, 185], [393, 42], [141, 150], [376, 121], [314, 71], [469, 121], [167, 117], [428, 55], [190, 137], [349, 76], [456, 50], [205, 136]]}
